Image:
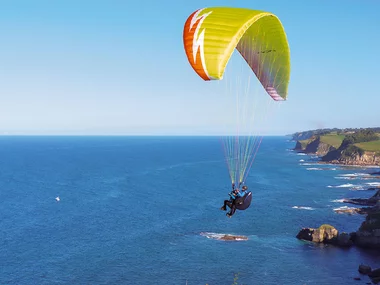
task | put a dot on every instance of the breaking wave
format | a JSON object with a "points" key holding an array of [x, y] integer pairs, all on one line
{"points": [[338, 201], [219, 236], [344, 208], [375, 184], [303, 208], [348, 185]]}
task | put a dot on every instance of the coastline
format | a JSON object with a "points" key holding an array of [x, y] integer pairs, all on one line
{"points": [[338, 163], [367, 235]]}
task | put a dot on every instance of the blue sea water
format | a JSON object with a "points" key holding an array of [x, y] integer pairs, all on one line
{"points": [[132, 210]]}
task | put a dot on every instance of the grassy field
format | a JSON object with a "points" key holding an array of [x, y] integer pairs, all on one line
{"points": [[304, 143], [370, 146], [332, 139]]}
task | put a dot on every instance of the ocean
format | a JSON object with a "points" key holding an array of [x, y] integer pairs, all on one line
{"points": [[144, 210]]}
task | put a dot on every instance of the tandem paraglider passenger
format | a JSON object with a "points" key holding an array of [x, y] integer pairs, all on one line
{"points": [[240, 200]]}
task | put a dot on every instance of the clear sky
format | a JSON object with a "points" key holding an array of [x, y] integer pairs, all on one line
{"points": [[119, 67]]}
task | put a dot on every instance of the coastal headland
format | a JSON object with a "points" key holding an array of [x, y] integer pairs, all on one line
{"points": [[347, 147]]}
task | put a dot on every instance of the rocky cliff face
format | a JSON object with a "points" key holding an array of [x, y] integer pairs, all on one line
{"points": [[352, 158], [368, 234], [298, 146], [318, 147], [315, 146]]}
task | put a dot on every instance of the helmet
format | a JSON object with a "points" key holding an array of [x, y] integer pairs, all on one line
{"points": [[244, 187]]}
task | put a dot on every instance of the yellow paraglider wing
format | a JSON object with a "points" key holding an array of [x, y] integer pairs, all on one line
{"points": [[211, 34]]}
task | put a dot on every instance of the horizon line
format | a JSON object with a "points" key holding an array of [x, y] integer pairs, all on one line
{"points": [[142, 135]]}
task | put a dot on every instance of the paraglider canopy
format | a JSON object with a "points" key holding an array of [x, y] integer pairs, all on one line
{"points": [[211, 35]]}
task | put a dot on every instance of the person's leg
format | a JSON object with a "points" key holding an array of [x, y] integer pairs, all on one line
{"points": [[225, 204], [233, 209]]}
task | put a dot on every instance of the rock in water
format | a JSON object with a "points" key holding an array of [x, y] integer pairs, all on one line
{"points": [[325, 233], [368, 234], [344, 240], [232, 237], [364, 269], [226, 237], [374, 273], [305, 234]]}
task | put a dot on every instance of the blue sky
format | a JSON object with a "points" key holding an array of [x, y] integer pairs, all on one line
{"points": [[118, 67]]}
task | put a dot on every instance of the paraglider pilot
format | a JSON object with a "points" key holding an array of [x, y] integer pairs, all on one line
{"points": [[235, 197]]}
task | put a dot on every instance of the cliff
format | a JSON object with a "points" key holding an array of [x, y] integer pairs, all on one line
{"points": [[318, 147], [349, 148], [348, 157], [314, 146], [368, 235]]}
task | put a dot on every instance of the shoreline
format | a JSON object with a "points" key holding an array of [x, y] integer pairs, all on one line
{"points": [[347, 164]]}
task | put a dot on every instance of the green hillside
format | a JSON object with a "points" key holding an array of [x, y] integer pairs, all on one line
{"points": [[304, 143], [373, 146], [332, 139]]}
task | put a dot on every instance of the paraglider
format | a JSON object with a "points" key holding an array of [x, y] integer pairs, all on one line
{"points": [[210, 37], [240, 200]]}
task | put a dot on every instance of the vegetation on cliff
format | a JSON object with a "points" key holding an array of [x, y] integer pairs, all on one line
{"points": [[320, 132]]}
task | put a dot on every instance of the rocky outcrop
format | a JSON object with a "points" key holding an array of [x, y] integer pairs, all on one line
{"points": [[368, 235], [352, 211], [233, 238], [373, 274], [371, 202], [364, 269], [325, 234], [344, 240]]}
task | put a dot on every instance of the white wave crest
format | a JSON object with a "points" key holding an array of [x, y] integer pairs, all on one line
{"points": [[345, 178], [301, 160], [344, 208], [219, 236], [303, 208], [313, 168], [354, 174], [348, 185], [358, 188], [301, 153], [337, 201], [373, 183]]}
